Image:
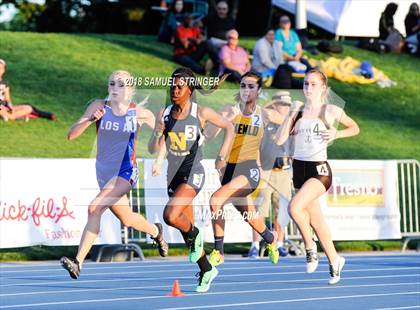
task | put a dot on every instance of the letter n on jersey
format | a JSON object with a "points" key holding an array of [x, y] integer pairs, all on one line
{"points": [[178, 141]]}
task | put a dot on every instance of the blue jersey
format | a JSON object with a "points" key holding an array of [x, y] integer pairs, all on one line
{"points": [[116, 145]]}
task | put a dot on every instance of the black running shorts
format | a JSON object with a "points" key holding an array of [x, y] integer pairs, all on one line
{"points": [[248, 168], [194, 177], [304, 170]]}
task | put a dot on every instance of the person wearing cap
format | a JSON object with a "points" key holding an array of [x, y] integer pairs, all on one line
{"points": [[276, 186], [233, 58], [292, 47], [8, 111], [267, 55]]}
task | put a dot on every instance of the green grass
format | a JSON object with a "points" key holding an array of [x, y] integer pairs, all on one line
{"points": [[63, 72]]}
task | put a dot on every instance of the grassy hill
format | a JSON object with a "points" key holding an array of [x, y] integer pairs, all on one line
{"points": [[63, 72]]}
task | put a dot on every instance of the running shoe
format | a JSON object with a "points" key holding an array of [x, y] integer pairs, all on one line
{"points": [[253, 252], [335, 271], [216, 258], [196, 246], [312, 259], [273, 252], [205, 279], [283, 252], [160, 242], [72, 266]]}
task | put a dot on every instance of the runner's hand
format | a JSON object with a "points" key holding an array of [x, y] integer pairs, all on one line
{"points": [[156, 169], [97, 115]]}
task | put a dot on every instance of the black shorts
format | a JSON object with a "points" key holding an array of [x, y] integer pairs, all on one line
{"points": [[304, 170], [193, 176], [248, 168]]}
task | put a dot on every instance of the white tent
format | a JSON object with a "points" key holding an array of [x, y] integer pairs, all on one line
{"points": [[349, 18]]}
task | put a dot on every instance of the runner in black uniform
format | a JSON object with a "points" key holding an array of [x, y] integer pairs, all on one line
{"points": [[181, 136]]}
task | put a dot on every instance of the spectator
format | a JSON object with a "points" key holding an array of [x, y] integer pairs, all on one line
{"points": [[190, 46], [292, 48], [12, 112], [267, 55], [218, 24], [412, 20], [173, 18], [233, 58], [412, 28], [276, 184], [386, 23]]}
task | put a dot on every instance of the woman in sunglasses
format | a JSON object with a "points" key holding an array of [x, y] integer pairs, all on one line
{"points": [[241, 175]]}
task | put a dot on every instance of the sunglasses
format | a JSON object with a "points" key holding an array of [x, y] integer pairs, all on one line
{"points": [[119, 83]]}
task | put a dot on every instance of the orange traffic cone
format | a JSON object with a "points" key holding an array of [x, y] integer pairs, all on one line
{"points": [[176, 290]]}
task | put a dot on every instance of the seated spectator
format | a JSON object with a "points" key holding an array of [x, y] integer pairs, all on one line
{"points": [[388, 34], [386, 23], [190, 46], [12, 112], [292, 48], [173, 18], [233, 58], [412, 28], [218, 24], [267, 55]]}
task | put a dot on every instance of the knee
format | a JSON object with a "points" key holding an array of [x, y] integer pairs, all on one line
{"points": [[169, 217], [294, 209], [94, 210], [216, 202]]}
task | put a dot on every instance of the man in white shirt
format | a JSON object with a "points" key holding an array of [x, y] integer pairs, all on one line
{"points": [[267, 55]]}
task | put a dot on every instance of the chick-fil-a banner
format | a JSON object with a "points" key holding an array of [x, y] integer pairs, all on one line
{"points": [[45, 201]]}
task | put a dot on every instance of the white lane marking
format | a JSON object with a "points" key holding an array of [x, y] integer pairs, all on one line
{"points": [[216, 293], [269, 273], [290, 301], [186, 285]]}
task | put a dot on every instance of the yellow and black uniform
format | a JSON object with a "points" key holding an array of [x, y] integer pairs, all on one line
{"points": [[184, 139], [242, 160]]}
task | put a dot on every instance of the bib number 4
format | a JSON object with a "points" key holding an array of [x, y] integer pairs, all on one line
{"points": [[322, 169]]}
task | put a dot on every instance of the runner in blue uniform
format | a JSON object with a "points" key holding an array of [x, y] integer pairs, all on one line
{"points": [[117, 120]]}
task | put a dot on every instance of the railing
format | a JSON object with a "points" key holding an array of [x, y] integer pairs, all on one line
{"points": [[408, 199]]}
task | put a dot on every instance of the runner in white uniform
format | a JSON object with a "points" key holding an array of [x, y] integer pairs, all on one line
{"points": [[313, 129]]}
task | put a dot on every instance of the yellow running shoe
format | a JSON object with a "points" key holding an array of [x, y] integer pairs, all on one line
{"points": [[273, 253], [216, 258]]}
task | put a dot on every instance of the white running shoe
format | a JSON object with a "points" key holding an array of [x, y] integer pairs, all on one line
{"points": [[335, 271], [312, 259]]}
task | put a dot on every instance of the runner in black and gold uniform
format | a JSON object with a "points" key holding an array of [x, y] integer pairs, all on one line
{"points": [[242, 173]]}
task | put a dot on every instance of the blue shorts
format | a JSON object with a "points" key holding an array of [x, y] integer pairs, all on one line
{"points": [[129, 174]]}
